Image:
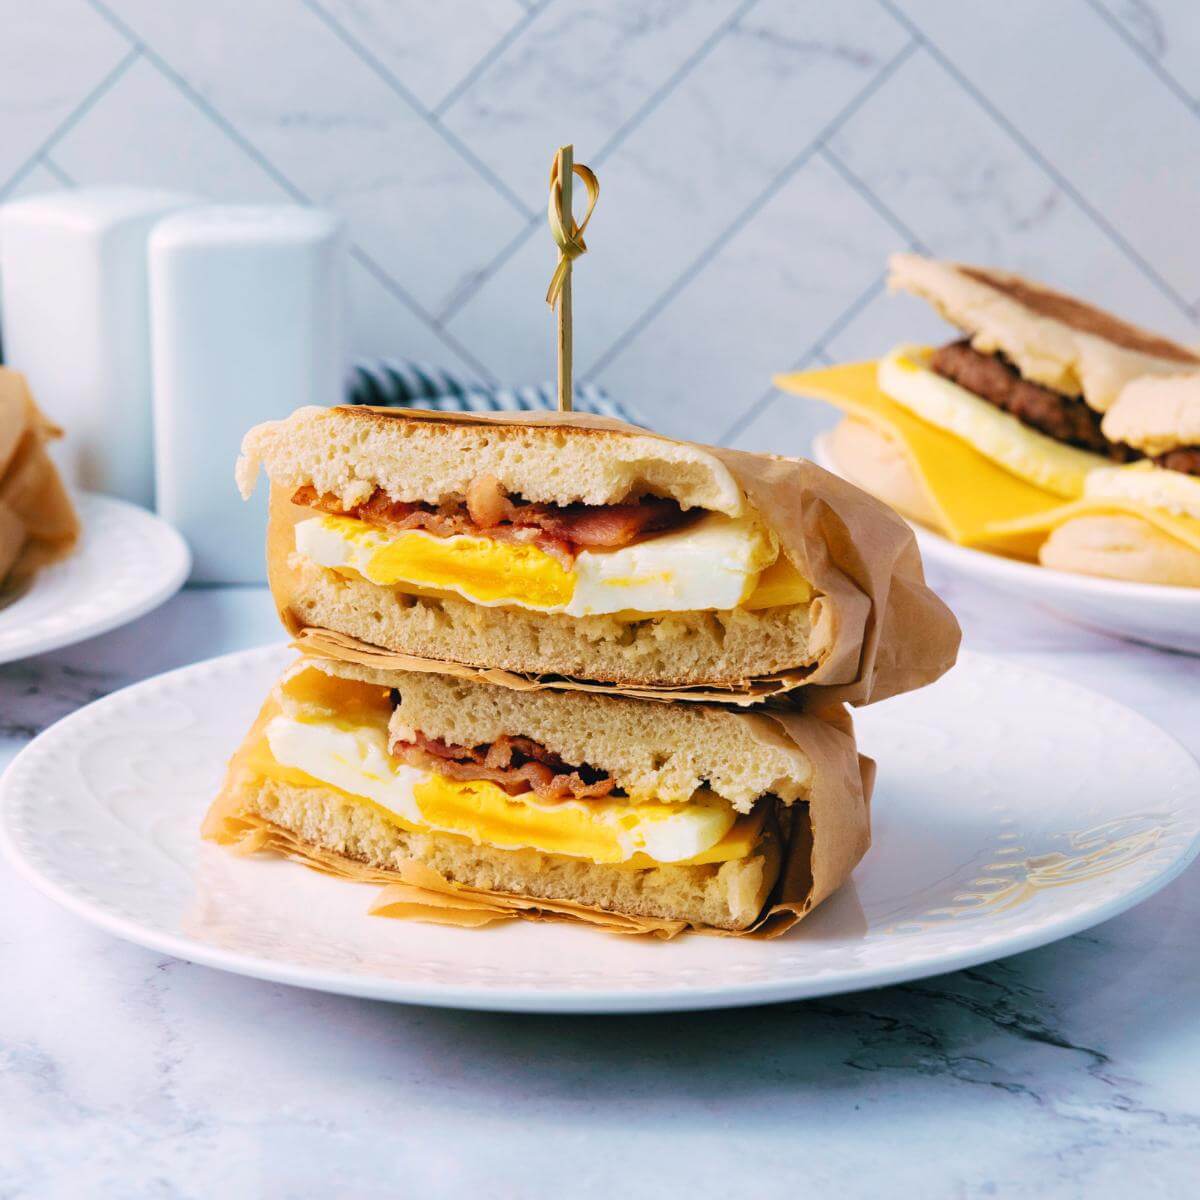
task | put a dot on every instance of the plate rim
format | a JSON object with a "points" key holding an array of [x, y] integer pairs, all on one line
{"points": [[1017, 571], [536, 998], [175, 574]]}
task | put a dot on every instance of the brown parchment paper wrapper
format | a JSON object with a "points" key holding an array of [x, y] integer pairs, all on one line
{"points": [[38, 523], [877, 629], [821, 841]]}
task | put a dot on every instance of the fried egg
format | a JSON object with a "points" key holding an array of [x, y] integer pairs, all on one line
{"points": [[1145, 483], [717, 563], [353, 757], [905, 377]]}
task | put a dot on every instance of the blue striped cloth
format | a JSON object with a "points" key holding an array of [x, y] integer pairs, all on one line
{"points": [[402, 383]]}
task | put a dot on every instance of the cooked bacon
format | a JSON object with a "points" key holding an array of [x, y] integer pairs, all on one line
{"points": [[517, 764], [609, 526], [560, 530]]}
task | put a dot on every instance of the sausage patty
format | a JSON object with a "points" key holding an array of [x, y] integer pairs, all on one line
{"points": [[1182, 458], [994, 379]]}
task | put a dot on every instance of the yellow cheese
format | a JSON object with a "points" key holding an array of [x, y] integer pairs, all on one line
{"points": [[971, 494], [778, 585], [1020, 531]]}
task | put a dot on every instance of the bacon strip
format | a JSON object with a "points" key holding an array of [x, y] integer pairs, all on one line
{"points": [[517, 764], [560, 530]]}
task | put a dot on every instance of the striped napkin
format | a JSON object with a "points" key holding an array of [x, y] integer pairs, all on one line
{"points": [[402, 383]]}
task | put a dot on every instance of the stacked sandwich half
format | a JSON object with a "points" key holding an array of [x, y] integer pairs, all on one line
{"points": [[555, 666]]}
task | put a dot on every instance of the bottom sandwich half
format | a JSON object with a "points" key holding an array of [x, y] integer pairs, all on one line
{"points": [[469, 802]]}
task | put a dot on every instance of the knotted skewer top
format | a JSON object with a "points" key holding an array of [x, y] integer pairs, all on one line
{"points": [[568, 236]]}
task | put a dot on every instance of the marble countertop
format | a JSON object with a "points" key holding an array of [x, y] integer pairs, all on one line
{"points": [[1069, 1070]]}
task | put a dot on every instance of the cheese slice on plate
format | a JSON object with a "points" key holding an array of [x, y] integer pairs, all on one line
{"points": [[978, 502], [968, 491], [1004, 534]]}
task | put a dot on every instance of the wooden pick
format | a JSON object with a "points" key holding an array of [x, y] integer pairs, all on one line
{"points": [[568, 236]]}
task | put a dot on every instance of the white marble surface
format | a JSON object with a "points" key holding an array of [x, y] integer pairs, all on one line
{"points": [[1067, 1071]]}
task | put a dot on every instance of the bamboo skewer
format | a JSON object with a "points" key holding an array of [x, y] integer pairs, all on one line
{"points": [[568, 236]]}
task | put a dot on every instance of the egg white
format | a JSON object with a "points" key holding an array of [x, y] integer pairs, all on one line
{"points": [[905, 377], [355, 759], [712, 564]]}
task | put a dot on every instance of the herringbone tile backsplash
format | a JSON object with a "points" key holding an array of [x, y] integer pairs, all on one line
{"points": [[758, 160]]}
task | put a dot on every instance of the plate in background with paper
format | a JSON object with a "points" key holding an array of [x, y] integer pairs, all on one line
{"points": [[127, 562], [1153, 613], [1012, 808]]}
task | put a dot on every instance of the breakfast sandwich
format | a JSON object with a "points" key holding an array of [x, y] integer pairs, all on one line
{"points": [[573, 546], [472, 802], [37, 520], [1015, 437]]}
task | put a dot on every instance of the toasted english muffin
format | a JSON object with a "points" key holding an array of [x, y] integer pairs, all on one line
{"points": [[1055, 340], [1157, 414]]}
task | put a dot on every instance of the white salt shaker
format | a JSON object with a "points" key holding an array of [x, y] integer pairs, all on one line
{"points": [[74, 299], [246, 325]]}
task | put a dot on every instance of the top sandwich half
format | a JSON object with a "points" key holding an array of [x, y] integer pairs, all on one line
{"points": [[574, 546]]}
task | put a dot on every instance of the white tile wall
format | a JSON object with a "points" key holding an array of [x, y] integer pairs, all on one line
{"points": [[758, 159]]}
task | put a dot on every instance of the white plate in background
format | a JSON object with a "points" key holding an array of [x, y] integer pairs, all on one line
{"points": [[1012, 808], [127, 561], [1154, 613]]}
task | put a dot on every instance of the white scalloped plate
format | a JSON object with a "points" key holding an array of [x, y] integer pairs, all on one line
{"points": [[1012, 808], [1152, 613], [127, 562]]}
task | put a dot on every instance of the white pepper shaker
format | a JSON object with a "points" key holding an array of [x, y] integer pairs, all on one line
{"points": [[76, 323], [246, 325]]}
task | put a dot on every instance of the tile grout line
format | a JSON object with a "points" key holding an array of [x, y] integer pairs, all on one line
{"points": [[462, 297], [56, 170], [742, 219], [881, 209], [72, 118], [816, 347], [1165, 77], [389, 284], [389, 79], [455, 93], [672, 81], [746, 417], [615, 140], [1101, 222], [839, 323], [201, 102], [255, 155], [1156, 68]]}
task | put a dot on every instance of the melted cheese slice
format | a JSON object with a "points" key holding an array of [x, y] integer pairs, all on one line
{"points": [[1019, 532], [970, 493], [978, 502]]}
